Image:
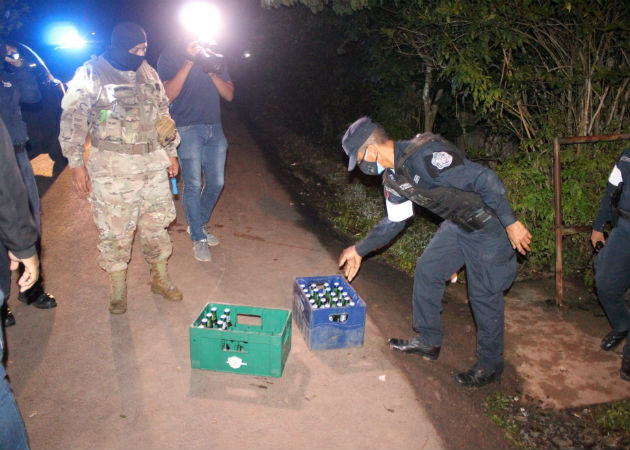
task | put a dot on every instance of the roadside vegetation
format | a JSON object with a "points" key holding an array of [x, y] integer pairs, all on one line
{"points": [[500, 79]]}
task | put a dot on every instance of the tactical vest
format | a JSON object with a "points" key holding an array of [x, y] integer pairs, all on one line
{"points": [[615, 211], [466, 209], [124, 115]]}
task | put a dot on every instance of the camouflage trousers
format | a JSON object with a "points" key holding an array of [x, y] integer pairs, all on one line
{"points": [[122, 203]]}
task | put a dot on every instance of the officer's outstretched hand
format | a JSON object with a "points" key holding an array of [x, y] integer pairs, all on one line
{"points": [[351, 259], [519, 236]]}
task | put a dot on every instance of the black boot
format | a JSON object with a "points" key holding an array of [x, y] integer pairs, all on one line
{"points": [[8, 319], [612, 340], [415, 346], [478, 376], [37, 297]]}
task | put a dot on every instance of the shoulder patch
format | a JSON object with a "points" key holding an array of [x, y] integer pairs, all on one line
{"points": [[438, 162], [441, 160]]}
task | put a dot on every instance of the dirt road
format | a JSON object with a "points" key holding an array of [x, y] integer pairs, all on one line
{"points": [[86, 379]]}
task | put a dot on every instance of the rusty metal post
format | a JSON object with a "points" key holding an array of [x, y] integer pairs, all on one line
{"points": [[557, 187]]}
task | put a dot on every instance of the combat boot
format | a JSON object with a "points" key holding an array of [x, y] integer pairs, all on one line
{"points": [[161, 283], [118, 292]]}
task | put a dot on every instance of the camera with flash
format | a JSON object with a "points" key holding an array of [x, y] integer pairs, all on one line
{"points": [[210, 61]]}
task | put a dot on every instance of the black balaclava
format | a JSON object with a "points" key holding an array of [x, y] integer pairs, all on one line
{"points": [[125, 36]]}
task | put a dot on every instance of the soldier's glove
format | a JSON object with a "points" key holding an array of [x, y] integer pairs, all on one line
{"points": [[166, 130]]}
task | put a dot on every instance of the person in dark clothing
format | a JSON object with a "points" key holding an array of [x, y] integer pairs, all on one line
{"points": [[20, 86], [612, 263], [479, 228], [18, 234]]}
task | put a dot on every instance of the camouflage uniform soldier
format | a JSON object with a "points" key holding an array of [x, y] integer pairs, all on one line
{"points": [[117, 102]]}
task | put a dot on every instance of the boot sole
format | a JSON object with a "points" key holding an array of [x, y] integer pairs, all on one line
{"points": [[117, 312], [170, 299]]}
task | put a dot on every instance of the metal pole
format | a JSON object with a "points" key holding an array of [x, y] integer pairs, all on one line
{"points": [[557, 186], [587, 139]]}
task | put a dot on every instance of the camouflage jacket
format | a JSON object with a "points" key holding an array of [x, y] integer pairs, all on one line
{"points": [[117, 111]]}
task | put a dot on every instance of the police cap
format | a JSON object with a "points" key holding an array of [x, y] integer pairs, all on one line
{"points": [[355, 137]]}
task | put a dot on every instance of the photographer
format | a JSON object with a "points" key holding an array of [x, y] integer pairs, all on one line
{"points": [[195, 79]]}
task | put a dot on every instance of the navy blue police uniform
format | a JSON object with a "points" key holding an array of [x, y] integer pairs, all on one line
{"points": [[486, 252], [612, 263]]}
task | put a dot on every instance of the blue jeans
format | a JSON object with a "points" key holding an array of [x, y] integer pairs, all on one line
{"points": [[202, 152], [12, 432]]}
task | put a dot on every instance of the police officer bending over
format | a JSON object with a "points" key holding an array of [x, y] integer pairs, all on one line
{"points": [[612, 263], [478, 230]]}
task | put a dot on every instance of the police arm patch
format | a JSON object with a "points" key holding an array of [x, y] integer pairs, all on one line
{"points": [[438, 162], [441, 160]]}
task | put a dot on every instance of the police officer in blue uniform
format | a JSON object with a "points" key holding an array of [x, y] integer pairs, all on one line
{"points": [[612, 263], [480, 232], [20, 86]]}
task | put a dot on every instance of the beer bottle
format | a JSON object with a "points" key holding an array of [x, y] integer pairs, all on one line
{"points": [[213, 310], [204, 322], [228, 319]]}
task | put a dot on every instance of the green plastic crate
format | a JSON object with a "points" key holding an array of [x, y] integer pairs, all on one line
{"points": [[258, 343]]}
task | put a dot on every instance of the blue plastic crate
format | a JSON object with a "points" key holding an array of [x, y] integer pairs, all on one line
{"points": [[329, 328]]}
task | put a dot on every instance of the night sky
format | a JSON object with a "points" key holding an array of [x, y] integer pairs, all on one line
{"points": [[158, 17]]}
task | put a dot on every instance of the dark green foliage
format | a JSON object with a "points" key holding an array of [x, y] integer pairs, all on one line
{"points": [[499, 78], [531, 193]]}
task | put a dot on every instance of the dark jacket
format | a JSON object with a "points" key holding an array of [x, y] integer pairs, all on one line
{"points": [[18, 231], [437, 165], [18, 86], [619, 179]]}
